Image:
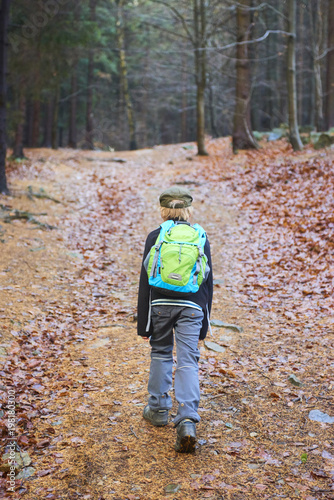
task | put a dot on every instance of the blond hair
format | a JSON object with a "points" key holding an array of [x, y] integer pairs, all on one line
{"points": [[176, 213]]}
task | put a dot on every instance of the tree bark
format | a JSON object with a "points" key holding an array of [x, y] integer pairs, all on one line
{"points": [[184, 133], [18, 141], [47, 142], [72, 134], [316, 37], [54, 133], [242, 135], [291, 77], [200, 72], [300, 79], [330, 67], [36, 123], [4, 18], [213, 127], [89, 136], [124, 74]]}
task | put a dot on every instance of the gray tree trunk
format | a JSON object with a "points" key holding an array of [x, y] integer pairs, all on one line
{"points": [[317, 47], [200, 71], [89, 136], [291, 77], [54, 131], [18, 141], [72, 134], [242, 135], [4, 17], [330, 67], [36, 123], [124, 74]]}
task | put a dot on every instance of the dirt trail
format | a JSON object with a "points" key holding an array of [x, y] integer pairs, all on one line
{"points": [[80, 283]]}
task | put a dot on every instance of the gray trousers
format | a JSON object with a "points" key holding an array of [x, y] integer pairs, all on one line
{"points": [[187, 323]]}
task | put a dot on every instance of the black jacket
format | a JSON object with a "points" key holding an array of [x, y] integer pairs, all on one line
{"points": [[203, 297]]}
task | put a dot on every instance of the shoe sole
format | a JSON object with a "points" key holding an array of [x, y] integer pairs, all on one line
{"points": [[163, 424], [187, 444]]}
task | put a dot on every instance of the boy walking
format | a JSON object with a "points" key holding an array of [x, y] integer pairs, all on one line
{"points": [[169, 304]]}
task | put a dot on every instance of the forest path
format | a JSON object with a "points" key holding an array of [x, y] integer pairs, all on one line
{"points": [[92, 442]]}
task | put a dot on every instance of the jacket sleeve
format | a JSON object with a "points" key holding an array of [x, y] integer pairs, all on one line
{"points": [[209, 292], [144, 289]]}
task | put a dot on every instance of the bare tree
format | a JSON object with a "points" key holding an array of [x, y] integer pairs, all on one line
{"points": [[317, 32], [291, 78], [72, 128], [4, 17], [242, 135], [124, 73], [330, 67], [200, 71], [196, 33], [19, 132], [89, 139]]}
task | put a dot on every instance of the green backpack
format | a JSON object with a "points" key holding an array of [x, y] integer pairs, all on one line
{"points": [[176, 264]]}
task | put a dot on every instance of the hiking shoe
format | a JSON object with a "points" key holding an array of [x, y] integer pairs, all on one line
{"points": [[158, 418], [186, 436]]}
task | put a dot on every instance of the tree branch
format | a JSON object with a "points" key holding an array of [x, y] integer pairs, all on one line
{"points": [[256, 40], [179, 17], [262, 6]]}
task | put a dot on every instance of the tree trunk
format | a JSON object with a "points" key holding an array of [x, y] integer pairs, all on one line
{"points": [[213, 127], [291, 76], [54, 133], [72, 135], [47, 142], [4, 17], [18, 141], [316, 38], [242, 135], [89, 137], [36, 122], [29, 120], [300, 79], [330, 67], [124, 74], [184, 133], [200, 71], [318, 94]]}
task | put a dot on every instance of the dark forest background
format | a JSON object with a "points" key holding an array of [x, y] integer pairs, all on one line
{"points": [[126, 73]]}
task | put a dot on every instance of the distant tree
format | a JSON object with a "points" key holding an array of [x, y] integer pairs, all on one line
{"points": [[72, 126], [89, 137], [124, 73], [200, 40], [330, 67], [194, 25], [4, 18], [291, 78], [18, 152], [317, 46], [242, 134]]}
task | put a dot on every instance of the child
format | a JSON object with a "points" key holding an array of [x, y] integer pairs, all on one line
{"points": [[158, 315]]}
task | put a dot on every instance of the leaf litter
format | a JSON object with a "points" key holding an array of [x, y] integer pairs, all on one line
{"points": [[268, 217]]}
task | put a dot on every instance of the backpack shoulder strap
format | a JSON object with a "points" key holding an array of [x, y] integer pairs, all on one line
{"points": [[165, 226], [202, 234]]}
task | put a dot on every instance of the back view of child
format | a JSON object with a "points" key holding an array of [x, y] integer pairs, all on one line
{"points": [[160, 314]]}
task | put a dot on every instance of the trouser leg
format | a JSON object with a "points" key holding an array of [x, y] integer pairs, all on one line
{"points": [[160, 379], [187, 393]]}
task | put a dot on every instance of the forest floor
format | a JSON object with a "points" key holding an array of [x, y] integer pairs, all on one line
{"points": [[70, 356]]}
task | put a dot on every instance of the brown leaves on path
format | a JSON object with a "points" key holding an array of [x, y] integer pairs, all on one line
{"points": [[80, 373]]}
